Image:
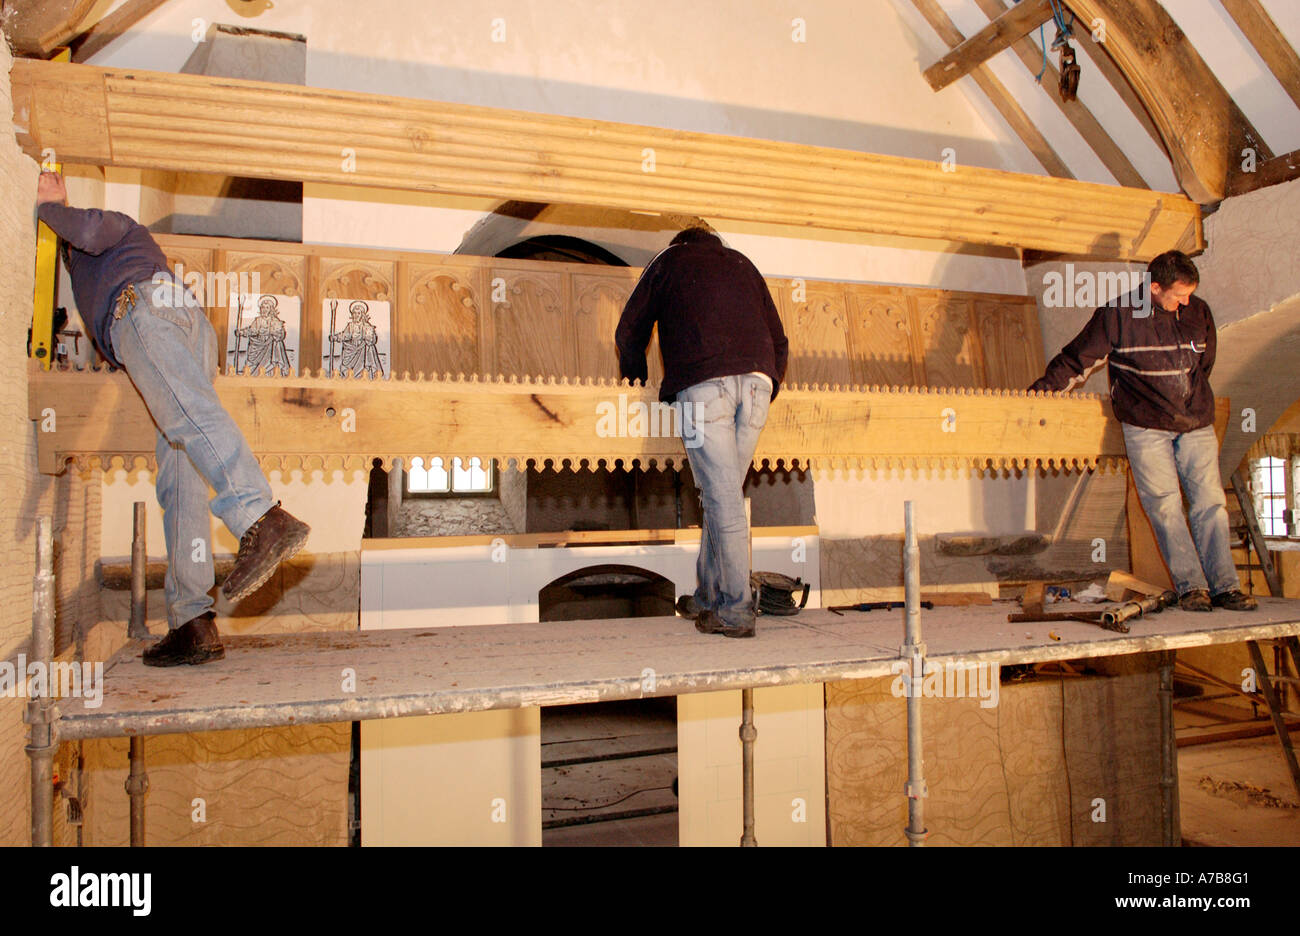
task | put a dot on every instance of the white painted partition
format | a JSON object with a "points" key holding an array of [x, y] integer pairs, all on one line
{"points": [[475, 779]]}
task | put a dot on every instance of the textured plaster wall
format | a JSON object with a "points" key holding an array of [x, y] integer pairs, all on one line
{"points": [[23, 494]]}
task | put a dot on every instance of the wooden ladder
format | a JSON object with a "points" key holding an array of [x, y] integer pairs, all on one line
{"points": [[1291, 644]]}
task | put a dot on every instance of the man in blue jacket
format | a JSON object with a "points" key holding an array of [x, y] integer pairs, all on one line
{"points": [[1160, 343], [169, 350], [724, 353]]}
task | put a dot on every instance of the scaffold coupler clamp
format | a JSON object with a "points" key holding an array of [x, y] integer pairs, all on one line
{"points": [[40, 716]]}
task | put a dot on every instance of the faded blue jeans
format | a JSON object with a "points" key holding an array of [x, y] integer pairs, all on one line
{"points": [[1161, 460], [170, 352], [720, 428]]}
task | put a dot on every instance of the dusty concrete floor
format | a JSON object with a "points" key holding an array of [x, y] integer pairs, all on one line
{"points": [[1237, 793]]}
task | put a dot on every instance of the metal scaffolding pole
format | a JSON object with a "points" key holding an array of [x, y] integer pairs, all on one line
{"points": [[137, 780], [42, 738], [1172, 828], [747, 735], [913, 650], [136, 628]]}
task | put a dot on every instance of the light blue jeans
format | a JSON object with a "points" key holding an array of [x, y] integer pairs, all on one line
{"points": [[170, 352], [1161, 460], [721, 422]]}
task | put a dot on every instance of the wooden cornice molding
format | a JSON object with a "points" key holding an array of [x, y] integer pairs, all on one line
{"points": [[195, 123]]}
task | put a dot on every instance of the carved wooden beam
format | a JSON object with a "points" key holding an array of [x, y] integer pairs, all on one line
{"points": [[1203, 129], [1007, 27], [196, 123], [90, 417]]}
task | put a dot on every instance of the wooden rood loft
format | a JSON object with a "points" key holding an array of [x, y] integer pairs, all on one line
{"points": [[1155, 69]]}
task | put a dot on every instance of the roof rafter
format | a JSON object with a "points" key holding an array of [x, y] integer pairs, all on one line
{"points": [[1116, 163], [1258, 27], [997, 94]]}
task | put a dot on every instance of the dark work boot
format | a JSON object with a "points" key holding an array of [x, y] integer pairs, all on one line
{"points": [[710, 623], [686, 607], [275, 537], [1198, 599], [1235, 600], [194, 642]]}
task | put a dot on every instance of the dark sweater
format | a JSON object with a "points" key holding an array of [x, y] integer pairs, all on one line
{"points": [[107, 251], [715, 316], [1159, 363]]}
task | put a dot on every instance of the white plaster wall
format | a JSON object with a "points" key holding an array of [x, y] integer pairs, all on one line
{"points": [[334, 508], [851, 504]]}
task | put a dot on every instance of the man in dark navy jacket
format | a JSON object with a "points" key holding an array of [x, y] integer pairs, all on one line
{"points": [[1160, 344], [169, 350], [724, 353]]}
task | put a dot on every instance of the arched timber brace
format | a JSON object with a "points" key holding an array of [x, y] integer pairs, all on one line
{"points": [[1203, 129]]}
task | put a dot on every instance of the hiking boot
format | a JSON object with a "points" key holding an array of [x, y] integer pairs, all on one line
{"points": [[1198, 599], [687, 607], [1235, 600], [194, 642], [275, 537], [710, 623]]}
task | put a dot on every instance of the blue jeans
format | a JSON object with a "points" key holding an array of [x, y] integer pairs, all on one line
{"points": [[170, 353], [720, 427], [1161, 460]]}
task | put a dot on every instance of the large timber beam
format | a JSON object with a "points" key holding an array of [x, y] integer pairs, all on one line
{"points": [[196, 123], [1008, 27], [90, 417], [1203, 129]]}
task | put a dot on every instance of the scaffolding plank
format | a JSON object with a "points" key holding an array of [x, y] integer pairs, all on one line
{"points": [[329, 677]]}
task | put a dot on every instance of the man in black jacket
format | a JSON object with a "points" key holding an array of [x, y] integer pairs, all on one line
{"points": [[168, 348], [1160, 343], [724, 354]]}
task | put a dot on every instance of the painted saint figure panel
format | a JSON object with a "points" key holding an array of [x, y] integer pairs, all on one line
{"points": [[356, 338], [262, 334]]}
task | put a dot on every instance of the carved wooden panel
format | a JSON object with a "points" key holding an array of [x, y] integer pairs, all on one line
{"points": [[947, 345], [534, 330], [439, 325], [558, 319], [816, 323], [1011, 343], [880, 337], [598, 303]]}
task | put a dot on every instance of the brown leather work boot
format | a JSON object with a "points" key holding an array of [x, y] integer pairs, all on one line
{"points": [[194, 642], [1235, 600], [275, 537], [1198, 599]]}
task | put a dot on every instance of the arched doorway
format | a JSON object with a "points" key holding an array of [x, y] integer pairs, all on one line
{"points": [[609, 769]]}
